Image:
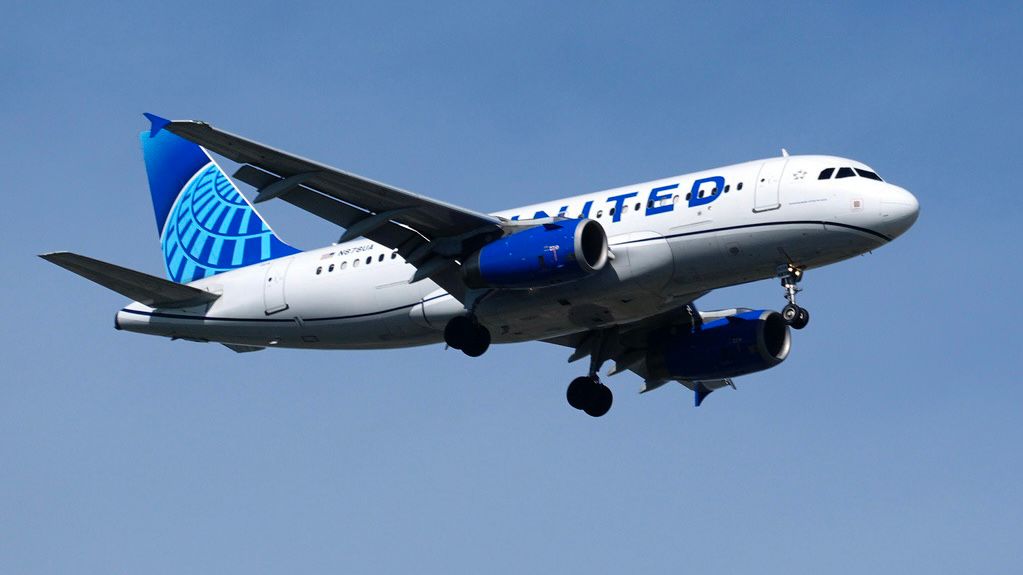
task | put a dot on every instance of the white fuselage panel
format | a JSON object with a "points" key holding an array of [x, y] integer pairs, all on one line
{"points": [[672, 239]]}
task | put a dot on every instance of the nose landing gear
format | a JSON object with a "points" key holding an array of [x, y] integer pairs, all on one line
{"points": [[793, 315]]}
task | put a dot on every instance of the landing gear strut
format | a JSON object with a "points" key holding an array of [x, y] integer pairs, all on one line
{"points": [[467, 334], [793, 315], [587, 393]]}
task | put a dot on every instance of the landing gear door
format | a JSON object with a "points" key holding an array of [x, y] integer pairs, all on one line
{"points": [[766, 196], [273, 286]]}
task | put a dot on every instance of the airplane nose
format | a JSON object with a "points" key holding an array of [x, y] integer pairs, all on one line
{"points": [[899, 210]]}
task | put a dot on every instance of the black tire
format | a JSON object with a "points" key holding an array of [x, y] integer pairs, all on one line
{"points": [[802, 319], [601, 401], [580, 392], [478, 343], [790, 313], [456, 332], [483, 334]]}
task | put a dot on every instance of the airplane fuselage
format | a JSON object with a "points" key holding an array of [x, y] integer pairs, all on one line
{"points": [[672, 240]]}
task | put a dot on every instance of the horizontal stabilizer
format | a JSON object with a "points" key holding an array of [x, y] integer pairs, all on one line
{"points": [[143, 288]]}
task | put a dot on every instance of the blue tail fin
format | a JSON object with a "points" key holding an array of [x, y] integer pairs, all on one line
{"points": [[206, 225]]}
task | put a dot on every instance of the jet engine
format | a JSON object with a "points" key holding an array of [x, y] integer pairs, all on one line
{"points": [[731, 346], [548, 254]]}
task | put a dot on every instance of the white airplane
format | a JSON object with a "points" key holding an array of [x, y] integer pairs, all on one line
{"points": [[612, 275]]}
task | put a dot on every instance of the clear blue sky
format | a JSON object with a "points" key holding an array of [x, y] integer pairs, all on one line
{"points": [[890, 441]]}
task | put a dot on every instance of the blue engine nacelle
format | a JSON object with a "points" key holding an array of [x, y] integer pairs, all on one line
{"points": [[736, 345], [547, 254]]}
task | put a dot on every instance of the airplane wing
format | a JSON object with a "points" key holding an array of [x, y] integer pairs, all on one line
{"points": [[626, 346], [427, 233], [141, 287]]}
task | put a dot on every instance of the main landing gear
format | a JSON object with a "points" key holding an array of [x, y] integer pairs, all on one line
{"points": [[587, 393], [467, 334], [793, 315]]}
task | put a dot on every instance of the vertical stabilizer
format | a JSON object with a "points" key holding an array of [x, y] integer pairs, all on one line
{"points": [[206, 225]]}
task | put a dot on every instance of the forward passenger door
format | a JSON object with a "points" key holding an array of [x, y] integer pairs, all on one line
{"points": [[766, 196]]}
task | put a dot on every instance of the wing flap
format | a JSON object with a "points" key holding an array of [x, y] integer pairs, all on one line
{"points": [[238, 348], [388, 234], [141, 287], [403, 239]]}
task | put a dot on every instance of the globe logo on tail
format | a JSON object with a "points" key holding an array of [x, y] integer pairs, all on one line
{"points": [[212, 229]]}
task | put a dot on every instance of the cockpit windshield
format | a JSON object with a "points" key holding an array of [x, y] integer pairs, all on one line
{"points": [[848, 172], [868, 174]]}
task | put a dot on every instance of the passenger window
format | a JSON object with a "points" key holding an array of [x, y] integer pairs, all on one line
{"points": [[637, 206], [868, 174], [600, 213], [381, 258], [394, 255], [727, 186], [738, 187], [689, 196], [369, 260], [826, 174], [344, 264], [675, 199], [319, 270], [331, 268], [845, 173], [355, 263], [611, 212]]}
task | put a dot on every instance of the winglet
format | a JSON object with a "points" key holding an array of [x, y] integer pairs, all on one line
{"points": [[157, 122]]}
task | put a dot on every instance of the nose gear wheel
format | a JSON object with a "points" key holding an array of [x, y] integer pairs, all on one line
{"points": [[793, 315]]}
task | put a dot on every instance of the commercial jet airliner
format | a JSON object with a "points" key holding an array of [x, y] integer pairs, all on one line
{"points": [[610, 275]]}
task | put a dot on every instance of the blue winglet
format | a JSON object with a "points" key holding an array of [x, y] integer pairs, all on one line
{"points": [[158, 123], [702, 391]]}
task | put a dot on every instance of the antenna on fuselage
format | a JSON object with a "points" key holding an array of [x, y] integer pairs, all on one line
{"points": [[784, 153]]}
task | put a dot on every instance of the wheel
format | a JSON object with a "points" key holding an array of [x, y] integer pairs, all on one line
{"points": [[580, 391], [600, 402], [802, 319], [457, 332], [478, 343], [790, 313]]}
